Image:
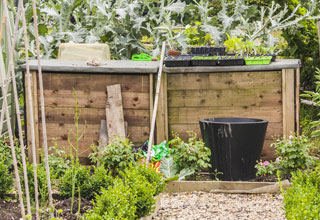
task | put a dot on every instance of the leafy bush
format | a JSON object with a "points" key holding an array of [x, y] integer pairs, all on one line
{"points": [[6, 180], [118, 155], [117, 202], [192, 155], [142, 189], [5, 151], [153, 177], [41, 179], [89, 185], [80, 176], [302, 199], [58, 162], [292, 155]]}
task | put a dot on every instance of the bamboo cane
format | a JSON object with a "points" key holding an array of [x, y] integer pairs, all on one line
{"points": [[11, 72], [43, 114], [3, 22], [14, 158], [154, 115]]}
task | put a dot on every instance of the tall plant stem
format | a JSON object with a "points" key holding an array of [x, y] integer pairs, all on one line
{"points": [[11, 72], [43, 114]]}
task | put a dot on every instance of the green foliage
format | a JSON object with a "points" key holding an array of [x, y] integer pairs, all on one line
{"points": [[302, 199], [6, 180], [315, 97], [195, 36], [292, 155], [153, 177], [89, 185], [58, 162], [170, 170], [5, 152], [117, 202], [142, 189], [41, 179], [192, 155], [79, 176], [118, 155]]}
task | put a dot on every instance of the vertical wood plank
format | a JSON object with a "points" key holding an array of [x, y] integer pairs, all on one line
{"points": [[298, 101], [114, 112], [288, 100], [162, 115], [151, 98], [34, 94]]}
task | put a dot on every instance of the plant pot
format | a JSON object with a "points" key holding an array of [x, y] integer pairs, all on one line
{"points": [[236, 144], [231, 61], [211, 51], [261, 60], [177, 61], [173, 53], [204, 61]]}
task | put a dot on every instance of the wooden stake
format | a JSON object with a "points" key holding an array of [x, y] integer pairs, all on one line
{"points": [[154, 115], [318, 25], [43, 114], [3, 22]]}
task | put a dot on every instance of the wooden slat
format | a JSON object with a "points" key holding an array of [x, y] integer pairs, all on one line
{"points": [[103, 135], [288, 99], [162, 114], [273, 129], [134, 117], [297, 103], [94, 99], [225, 97], [151, 99], [205, 81], [95, 82], [194, 114], [114, 112], [60, 132]]}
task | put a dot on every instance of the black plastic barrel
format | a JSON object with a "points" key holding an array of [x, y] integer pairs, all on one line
{"points": [[236, 145]]}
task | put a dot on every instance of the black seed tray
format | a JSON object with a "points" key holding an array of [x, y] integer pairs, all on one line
{"points": [[231, 62], [212, 51], [204, 62], [177, 61]]}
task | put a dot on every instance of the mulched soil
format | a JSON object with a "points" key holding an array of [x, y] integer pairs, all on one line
{"points": [[211, 206], [10, 210]]}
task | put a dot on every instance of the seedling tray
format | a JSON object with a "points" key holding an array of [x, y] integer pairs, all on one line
{"points": [[204, 61], [177, 61], [231, 61], [212, 51], [263, 60]]}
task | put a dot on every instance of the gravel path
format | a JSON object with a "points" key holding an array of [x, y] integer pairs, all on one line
{"points": [[200, 205]]}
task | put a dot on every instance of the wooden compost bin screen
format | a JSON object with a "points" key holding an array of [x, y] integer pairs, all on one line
{"points": [[91, 93], [192, 97]]}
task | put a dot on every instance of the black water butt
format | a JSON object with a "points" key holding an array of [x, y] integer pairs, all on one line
{"points": [[236, 145]]}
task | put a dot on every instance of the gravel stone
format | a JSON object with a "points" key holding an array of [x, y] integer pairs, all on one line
{"points": [[201, 205]]}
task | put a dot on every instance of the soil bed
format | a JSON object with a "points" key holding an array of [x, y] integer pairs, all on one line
{"points": [[11, 210]]}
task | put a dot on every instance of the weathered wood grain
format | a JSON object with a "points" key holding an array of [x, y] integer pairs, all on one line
{"points": [[114, 112], [288, 100]]}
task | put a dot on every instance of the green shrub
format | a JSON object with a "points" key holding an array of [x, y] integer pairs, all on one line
{"points": [[80, 176], [118, 155], [192, 155], [5, 152], [292, 155], [41, 179], [59, 163], [117, 202], [302, 199], [6, 180], [142, 189], [90, 185], [101, 178], [153, 177]]}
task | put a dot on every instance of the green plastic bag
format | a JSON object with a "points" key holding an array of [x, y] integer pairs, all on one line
{"points": [[159, 151]]}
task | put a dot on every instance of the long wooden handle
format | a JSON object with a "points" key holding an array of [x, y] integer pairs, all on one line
{"points": [[155, 107]]}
